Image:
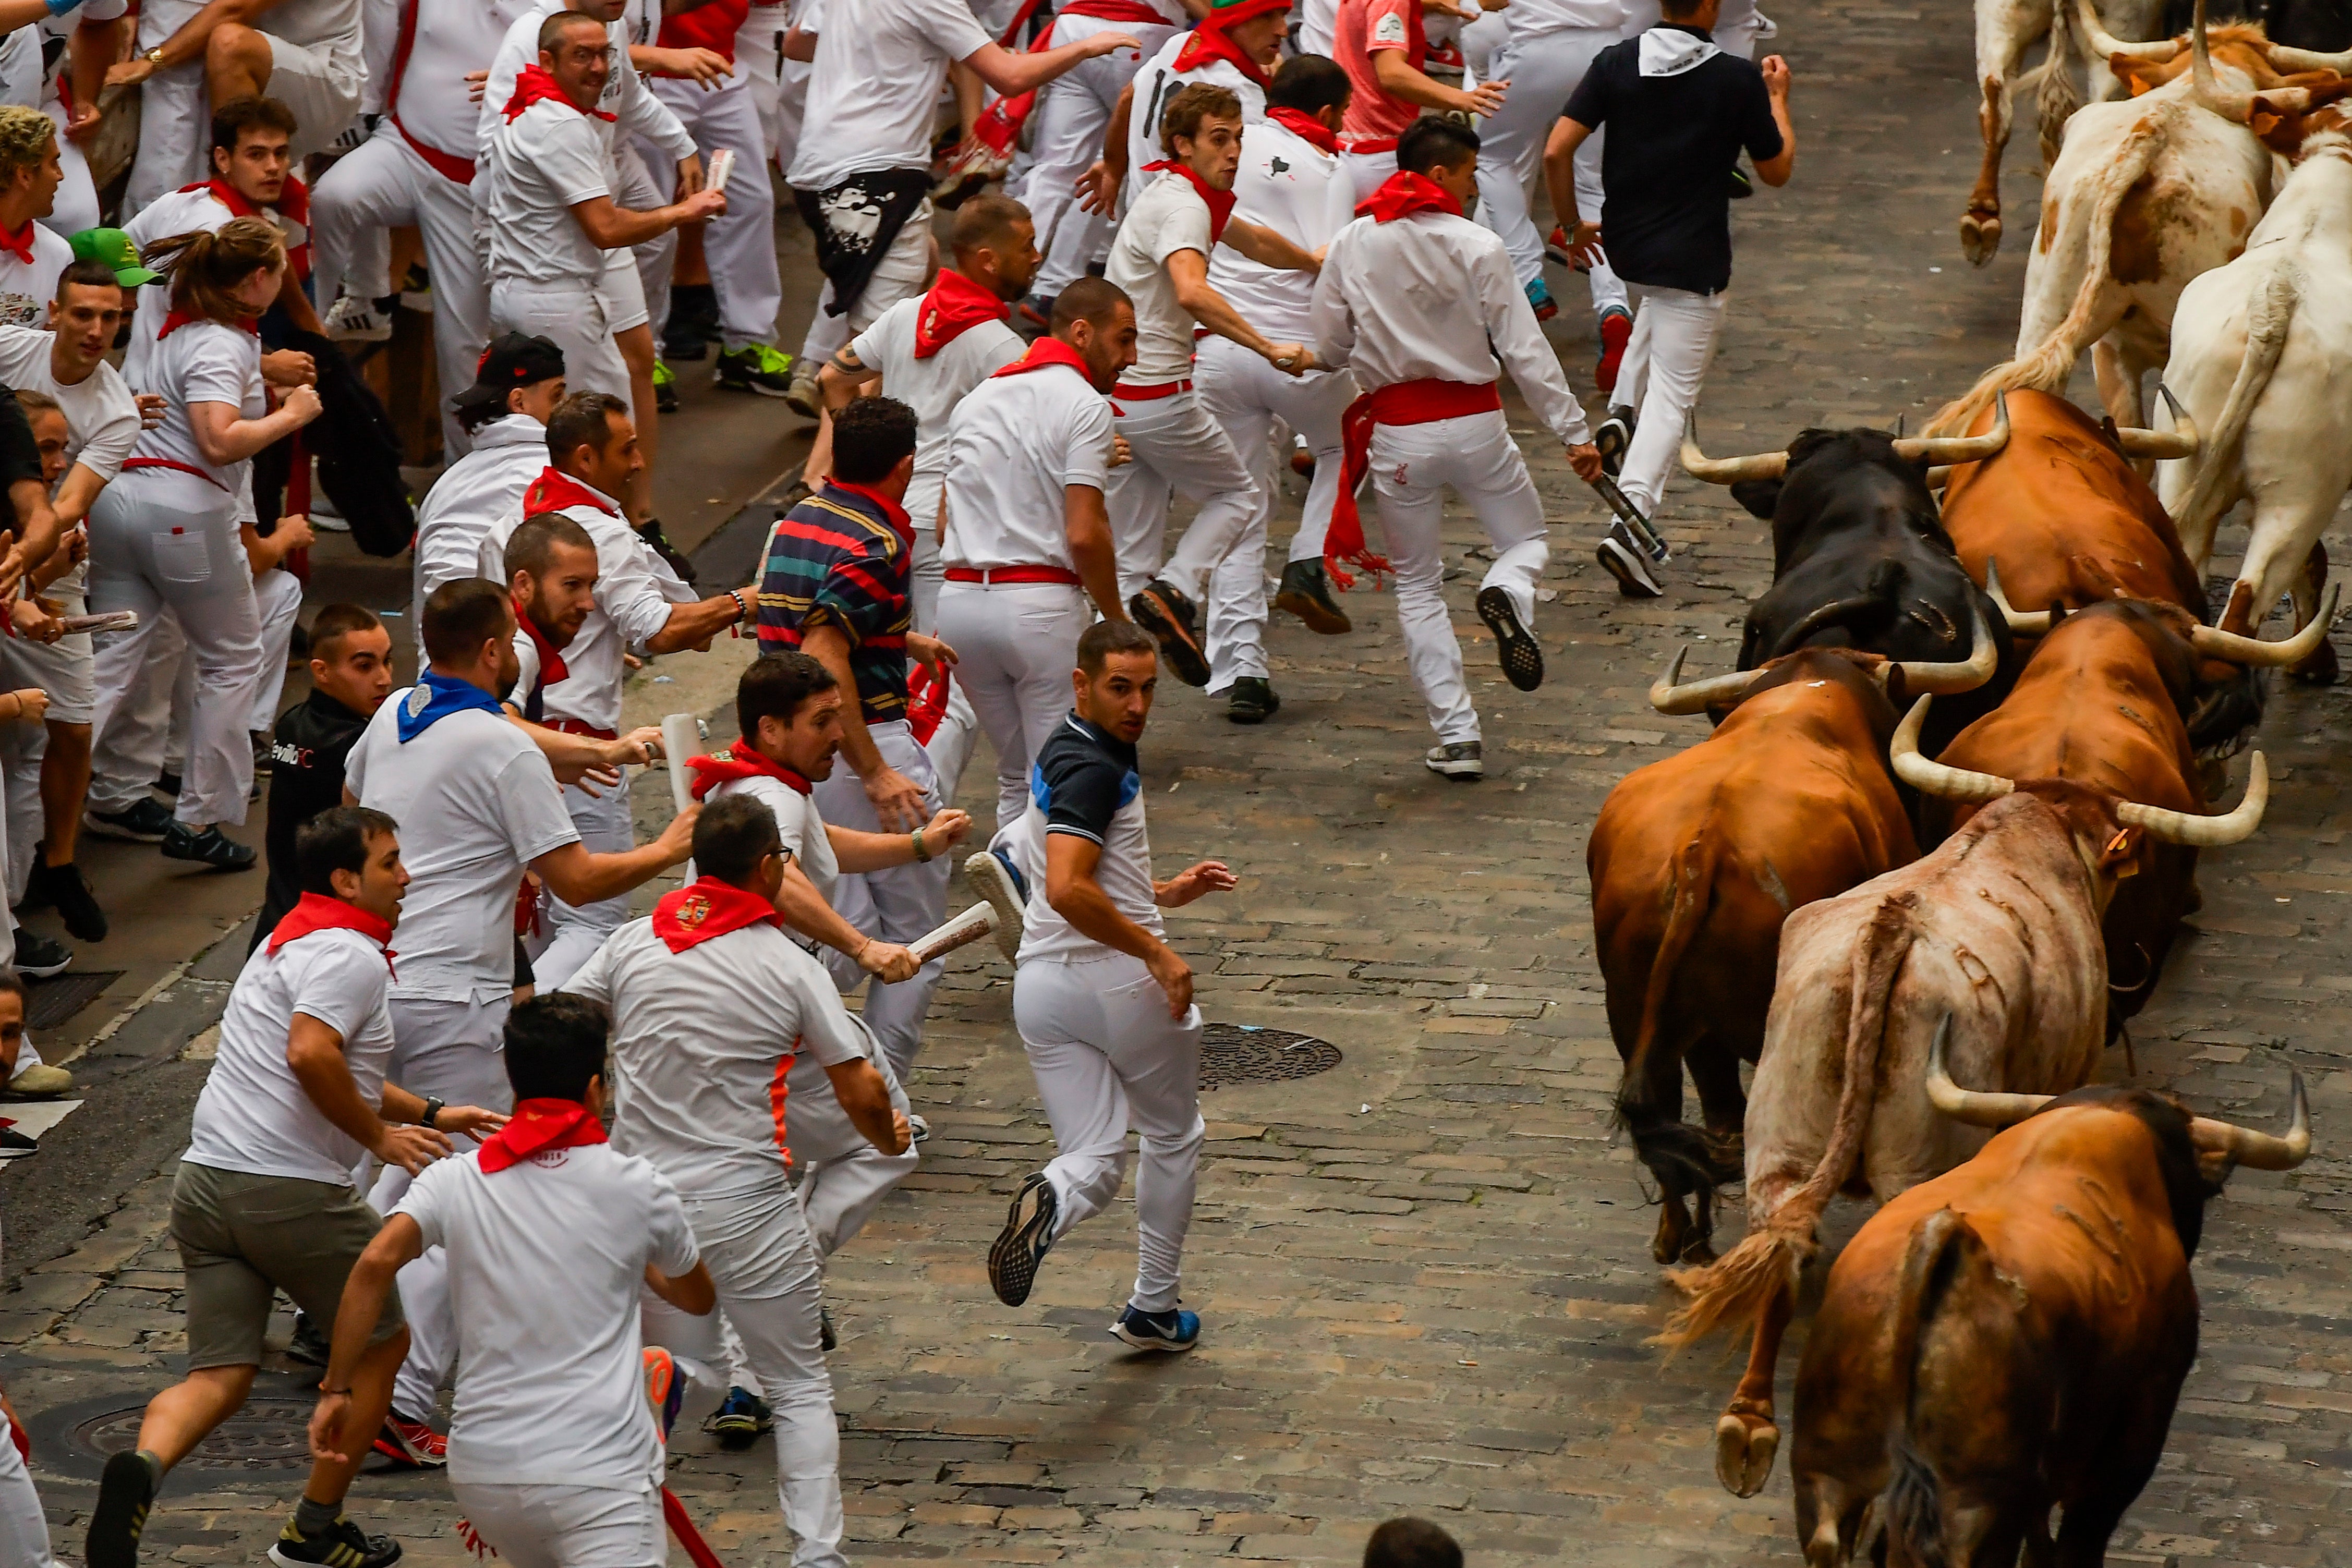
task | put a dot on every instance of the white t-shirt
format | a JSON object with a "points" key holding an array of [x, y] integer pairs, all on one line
{"points": [[1155, 84], [1169, 216], [871, 88], [1288, 184], [478, 803], [202, 361], [253, 1115], [701, 1042], [543, 163], [101, 419], [174, 212], [1015, 445], [27, 287], [449, 39], [547, 1262], [798, 824], [469, 499], [932, 387]]}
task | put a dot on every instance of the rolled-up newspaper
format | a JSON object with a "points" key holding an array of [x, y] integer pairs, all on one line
{"points": [[957, 931], [113, 621], [722, 165], [681, 738]]}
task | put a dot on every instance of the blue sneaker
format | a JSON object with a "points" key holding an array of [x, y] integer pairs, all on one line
{"points": [[995, 878], [1022, 1245], [1174, 1330], [1539, 295], [740, 1420]]}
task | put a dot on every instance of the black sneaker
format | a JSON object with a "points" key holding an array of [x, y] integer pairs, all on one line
{"points": [[1463, 761], [651, 532], [167, 784], [342, 1545], [126, 1490], [1022, 1245], [144, 821], [826, 1338], [740, 1420], [1629, 567], [211, 847], [1167, 613], [1610, 439], [1738, 187], [1522, 655], [307, 1346], [38, 956], [65, 889], [1252, 700], [759, 368], [14, 1145], [260, 753], [1306, 592]]}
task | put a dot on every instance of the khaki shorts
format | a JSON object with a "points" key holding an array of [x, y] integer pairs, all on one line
{"points": [[242, 1237]]}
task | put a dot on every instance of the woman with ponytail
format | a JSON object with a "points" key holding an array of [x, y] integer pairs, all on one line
{"points": [[166, 534]]}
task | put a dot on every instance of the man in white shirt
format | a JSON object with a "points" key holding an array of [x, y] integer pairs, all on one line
{"points": [[640, 605], [31, 256], [712, 1005], [1235, 46], [552, 1236], [1104, 1005], [1291, 180], [505, 411], [1161, 259], [444, 755], [264, 1200], [1419, 302]]}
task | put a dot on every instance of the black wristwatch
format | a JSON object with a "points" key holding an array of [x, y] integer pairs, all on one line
{"points": [[434, 1106]]}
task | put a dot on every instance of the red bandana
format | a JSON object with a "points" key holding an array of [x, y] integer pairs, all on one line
{"points": [[1047, 352], [315, 911], [892, 512], [175, 319], [954, 306], [1403, 193], [738, 761], [709, 908], [536, 1128], [533, 84], [20, 244], [555, 490], [293, 199], [1209, 42], [551, 667], [1221, 203], [1307, 128]]}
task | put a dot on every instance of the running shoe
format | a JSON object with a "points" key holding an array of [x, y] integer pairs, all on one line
{"points": [[416, 289], [995, 878], [1022, 1245], [664, 1389], [1166, 611], [211, 847], [826, 1339], [307, 1344], [1738, 187], [39, 1082], [1611, 436], [1463, 761], [966, 174], [144, 821], [664, 388], [1033, 317], [740, 1420], [1522, 655], [1556, 248], [1173, 1330], [1539, 295], [759, 368], [352, 319], [66, 890], [802, 397], [1625, 561], [918, 1130], [1616, 331], [342, 1545], [650, 530], [411, 1443], [126, 1490], [39, 957], [1252, 700], [14, 1145], [1306, 592]]}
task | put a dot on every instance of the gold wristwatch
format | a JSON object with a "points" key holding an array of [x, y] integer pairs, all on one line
{"points": [[155, 56]]}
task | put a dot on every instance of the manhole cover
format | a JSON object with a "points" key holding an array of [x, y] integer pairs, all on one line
{"points": [[51, 1002], [270, 1433], [1241, 1053]]}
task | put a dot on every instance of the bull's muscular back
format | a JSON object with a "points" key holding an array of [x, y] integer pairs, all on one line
{"points": [[2064, 516]]}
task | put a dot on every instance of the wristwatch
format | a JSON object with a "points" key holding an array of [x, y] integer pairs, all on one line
{"points": [[155, 56], [434, 1106]]}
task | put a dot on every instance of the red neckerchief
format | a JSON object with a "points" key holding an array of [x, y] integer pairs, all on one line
{"points": [[954, 306], [708, 908], [1307, 128], [551, 667], [1047, 352], [1221, 203], [315, 911], [892, 512], [1209, 42], [175, 319], [739, 761], [536, 1126], [555, 490], [1403, 193], [533, 85], [20, 244], [293, 199]]}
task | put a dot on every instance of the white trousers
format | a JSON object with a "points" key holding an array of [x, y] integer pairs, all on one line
{"points": [[949, 748], [382, 184], [896, 903], [1674, 341], [1066, 137], [1016, 646], [573, 315], [740, 243], [765, 1267], [1246, 396], [24, 1529], [843, 1177], [1543, 70], [277, 600], [566, 1527], [125, 758], [159, 537], [571, 934], [1108, 1058], [903, 272], [75, 206], [1411, 466], [456, 1050], [1180, 449], [623, 287], [779, 86], [66, 669]]}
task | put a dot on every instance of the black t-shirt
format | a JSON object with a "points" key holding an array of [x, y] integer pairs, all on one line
{"points": [[307, 752], [1084, 777], [1666, 166], [20, 454]]}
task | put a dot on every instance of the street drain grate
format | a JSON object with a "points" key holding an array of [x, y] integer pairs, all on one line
{"points": [[271, 1433], [49, 1003], [1234, 1054]]}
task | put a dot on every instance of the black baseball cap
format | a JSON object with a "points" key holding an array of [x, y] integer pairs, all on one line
{"points": [[512, 360]]}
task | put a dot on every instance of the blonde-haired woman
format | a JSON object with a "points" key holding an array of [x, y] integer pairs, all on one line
{"points": [[166, 533]]}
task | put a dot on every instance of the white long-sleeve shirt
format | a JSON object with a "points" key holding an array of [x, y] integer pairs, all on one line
{"points": [[466, 502], [1423, 298], [627, 97]]}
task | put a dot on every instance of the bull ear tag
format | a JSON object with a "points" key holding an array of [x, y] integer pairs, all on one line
{"points": [[2118, 852]]}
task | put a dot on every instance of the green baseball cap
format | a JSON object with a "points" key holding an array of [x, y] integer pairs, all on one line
{"points": [[113, 247]]}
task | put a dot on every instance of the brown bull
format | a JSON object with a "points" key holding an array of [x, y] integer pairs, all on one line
{"points": [[2012, 1336]]}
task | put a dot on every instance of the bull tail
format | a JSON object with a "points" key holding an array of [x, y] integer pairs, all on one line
{"points": [[2088, 320], [1914, 1501], [2269, 313], [1682, 1157], [2058, 95], [1735, 1289]]}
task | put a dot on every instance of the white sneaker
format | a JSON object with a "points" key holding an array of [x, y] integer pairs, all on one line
{"points": [[352, 319], [1462, 760]]}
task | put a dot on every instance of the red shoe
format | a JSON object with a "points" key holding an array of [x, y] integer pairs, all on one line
{"points": [[1616, 331], [411, 1443]]}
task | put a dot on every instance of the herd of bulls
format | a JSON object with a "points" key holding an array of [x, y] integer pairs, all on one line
{"points": [[2010, 1330]]}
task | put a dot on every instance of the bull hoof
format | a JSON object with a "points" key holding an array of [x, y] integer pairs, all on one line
{"points": [[1698, 1252], [1980, 237], [2319, 670], [1744, 1453]]}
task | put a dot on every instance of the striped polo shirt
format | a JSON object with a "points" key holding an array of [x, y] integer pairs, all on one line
{"points": [[840, 557]]}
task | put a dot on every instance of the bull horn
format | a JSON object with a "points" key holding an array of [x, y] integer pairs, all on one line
{"points": [[2180, 441], [1951, 449], [2021, 625], [2106, 45], [2206, 832], [1977, 1107], [1939, 476], [1727, 470], [2258, 1151], [1934, 777], [1964, 675], [2233, 104], [2287, 61], [2216, 643], [1668, 695]]}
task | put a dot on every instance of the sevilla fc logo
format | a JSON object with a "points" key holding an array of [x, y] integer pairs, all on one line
{"points": [[694, 911], [419, 698]]}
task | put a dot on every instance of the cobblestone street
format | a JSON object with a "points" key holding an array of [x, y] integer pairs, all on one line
{"points": [[1424, 1275]]}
